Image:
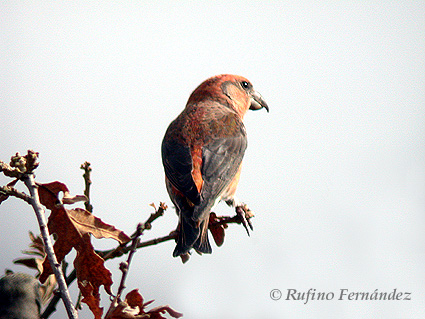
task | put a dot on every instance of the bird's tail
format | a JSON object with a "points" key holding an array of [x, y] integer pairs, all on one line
{"points": [[202, 244], [192, 235]]}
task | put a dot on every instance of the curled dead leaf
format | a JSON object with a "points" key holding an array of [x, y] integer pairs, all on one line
{"points": [[68, 199], [133, 307], [217, 230]]}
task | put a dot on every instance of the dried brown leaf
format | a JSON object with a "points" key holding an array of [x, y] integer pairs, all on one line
{"points": [[86, 222], [124, 311], [134, 299], [29, 262], [133, 307], [156, 313], [68, 199], [49, 192], [217, 230]]}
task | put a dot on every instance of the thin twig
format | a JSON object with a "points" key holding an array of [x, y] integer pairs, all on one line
{"points": [[155, 241], [123, 248], [7, 191], [148, 223], [56, 267], [119, 251], [87, 181], [89, 207], [124, 266]]}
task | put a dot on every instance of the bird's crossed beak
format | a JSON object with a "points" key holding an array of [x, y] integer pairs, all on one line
{"points": [[257, 102]]}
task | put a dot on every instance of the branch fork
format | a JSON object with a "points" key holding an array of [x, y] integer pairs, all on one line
{"points": [[21, 168]]}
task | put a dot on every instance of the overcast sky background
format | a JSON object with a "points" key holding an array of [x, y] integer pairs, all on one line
{"points": [[335, 173]]}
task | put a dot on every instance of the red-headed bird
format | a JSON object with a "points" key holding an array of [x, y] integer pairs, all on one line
{"points": [[202, 153]]}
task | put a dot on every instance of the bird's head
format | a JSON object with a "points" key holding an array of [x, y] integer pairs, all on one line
{"points": [[234, 90]]}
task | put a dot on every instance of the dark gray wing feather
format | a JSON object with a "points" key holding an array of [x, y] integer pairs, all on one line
{"points": [[177, 163], [221, 159]]}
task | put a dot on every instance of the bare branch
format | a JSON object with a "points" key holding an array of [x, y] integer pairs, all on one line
{"points": [[51, 307], [155, 241], [124, 266], [124, 248], [158, 213], [6, 191], [87, 181]]}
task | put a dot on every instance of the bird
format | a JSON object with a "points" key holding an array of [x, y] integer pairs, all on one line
{"points": [[202, 152], [19, 297]]}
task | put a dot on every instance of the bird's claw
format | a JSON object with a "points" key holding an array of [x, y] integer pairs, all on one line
{"points": [[244, 214]]}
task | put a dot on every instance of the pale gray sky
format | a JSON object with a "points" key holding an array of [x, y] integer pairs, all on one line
{"points": [[335, 172]]}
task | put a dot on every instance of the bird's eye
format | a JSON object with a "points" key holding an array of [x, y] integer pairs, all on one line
{"points": [[245, 84]]}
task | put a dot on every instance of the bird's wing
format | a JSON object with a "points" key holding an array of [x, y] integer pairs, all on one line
{"points": [[221, 159], [177, 162]]}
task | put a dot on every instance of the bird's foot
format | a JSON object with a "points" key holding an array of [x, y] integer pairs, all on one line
{"points": [[244, 215]]}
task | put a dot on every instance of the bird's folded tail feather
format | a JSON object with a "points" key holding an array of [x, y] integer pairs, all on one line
{"points": [[188, 235], [202, 244], [192, 235]]}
